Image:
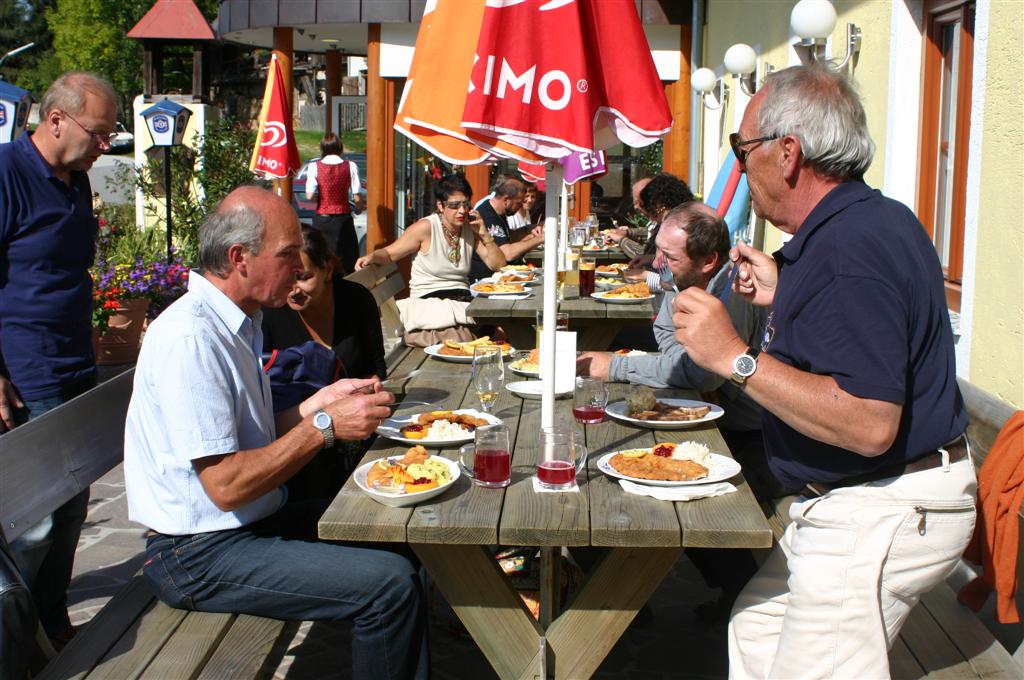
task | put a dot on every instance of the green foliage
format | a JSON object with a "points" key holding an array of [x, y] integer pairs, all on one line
{"points": [[225, 150], [650, 157], [91, 35]]}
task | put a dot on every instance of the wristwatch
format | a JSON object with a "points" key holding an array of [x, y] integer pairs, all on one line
{"points": [[744, 366], [323, 422]]}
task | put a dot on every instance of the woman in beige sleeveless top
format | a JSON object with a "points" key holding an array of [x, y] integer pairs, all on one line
{"points": [[443, 244]]}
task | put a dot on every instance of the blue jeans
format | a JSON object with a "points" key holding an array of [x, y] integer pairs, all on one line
{"points": [[269, 569], [45, 553]]}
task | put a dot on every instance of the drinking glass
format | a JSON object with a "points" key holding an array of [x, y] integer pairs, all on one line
{"points": [[587, 267], [560, 459], [561, 323], [491, 465], [590, 400], [488, 374]]}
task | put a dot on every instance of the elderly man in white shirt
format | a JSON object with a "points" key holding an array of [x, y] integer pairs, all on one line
{"points": [[206, 459]]}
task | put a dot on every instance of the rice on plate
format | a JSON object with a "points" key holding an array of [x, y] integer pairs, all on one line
{"points": [[695, 451], [442, 429]]}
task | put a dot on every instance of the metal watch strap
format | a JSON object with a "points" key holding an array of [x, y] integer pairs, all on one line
{"points": [[326, 430]]}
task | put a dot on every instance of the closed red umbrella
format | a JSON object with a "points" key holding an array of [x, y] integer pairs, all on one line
{"points": [[275, 154]]}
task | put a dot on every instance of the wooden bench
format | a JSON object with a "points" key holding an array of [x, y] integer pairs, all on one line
{"points": [[385, 282], [56, 456], [941, 637]]}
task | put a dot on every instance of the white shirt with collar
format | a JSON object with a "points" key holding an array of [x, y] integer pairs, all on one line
{"points": [[199, 391]]}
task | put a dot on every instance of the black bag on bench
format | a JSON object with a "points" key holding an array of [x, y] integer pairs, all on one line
{"points": [[20, 653]]}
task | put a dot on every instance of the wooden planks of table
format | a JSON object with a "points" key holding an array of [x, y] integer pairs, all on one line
{"points": [[640, 538], [596, 323]]}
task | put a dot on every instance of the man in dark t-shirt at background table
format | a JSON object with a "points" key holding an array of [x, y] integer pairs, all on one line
{"points": [[507, 199]]}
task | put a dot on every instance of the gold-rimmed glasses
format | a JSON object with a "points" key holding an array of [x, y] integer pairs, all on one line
{"points": [[104, 139]]}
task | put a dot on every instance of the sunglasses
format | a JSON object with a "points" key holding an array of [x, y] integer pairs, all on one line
{"points": [[455, 205], [737, 145], [104, 139]]}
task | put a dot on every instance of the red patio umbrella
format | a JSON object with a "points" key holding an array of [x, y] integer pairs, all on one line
{"points": [[275, 154], [532, 80]]}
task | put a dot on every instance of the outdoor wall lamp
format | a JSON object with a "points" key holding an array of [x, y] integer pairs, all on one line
{"points": [[704, 81], [741, 61], [813, 21]]}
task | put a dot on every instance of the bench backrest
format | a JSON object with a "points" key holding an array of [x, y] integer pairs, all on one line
{"points": [[988, 415], [384, 282], [50, 459]]}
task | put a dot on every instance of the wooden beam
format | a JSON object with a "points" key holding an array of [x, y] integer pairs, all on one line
{"points": [[197, 72], [283, 42], [676, 147], [380, 218], [333, 58], [479, 178]]}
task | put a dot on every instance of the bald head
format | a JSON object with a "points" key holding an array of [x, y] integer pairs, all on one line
{"points": [[242, 217], [638, 186]]}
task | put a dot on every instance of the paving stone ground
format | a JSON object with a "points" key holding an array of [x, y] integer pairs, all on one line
{"points": [[665, 643]]}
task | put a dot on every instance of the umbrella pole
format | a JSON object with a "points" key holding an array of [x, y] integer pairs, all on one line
{"points": [[547, 338]]}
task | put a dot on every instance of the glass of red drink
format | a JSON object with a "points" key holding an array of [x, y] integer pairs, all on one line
{"points": [[589, 400], [588, 266], [491, 464], [561, 459]]}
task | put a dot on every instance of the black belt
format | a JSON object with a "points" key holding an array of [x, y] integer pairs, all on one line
{"points": [[957, 450]]}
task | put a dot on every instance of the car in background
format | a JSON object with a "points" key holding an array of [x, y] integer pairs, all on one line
{"points": [[123, 140], [307, 208]]}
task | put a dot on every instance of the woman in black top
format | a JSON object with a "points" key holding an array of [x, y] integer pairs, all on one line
{"points": [[340, 315], [326, 308]]}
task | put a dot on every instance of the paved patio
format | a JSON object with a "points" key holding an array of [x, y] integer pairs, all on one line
{"points": [[669, 643]]}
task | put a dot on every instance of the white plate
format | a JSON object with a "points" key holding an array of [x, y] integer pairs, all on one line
{"points": [[473, 288], [617, 410], [620, 301], [506, 270], [720, 469], [591, 249], [435, 351], [391, 428], [535, 281], [607, 286], [523, 372], [405, 499], [530, 389]]}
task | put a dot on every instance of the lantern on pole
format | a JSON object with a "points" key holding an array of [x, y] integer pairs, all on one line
{"points": [[167, 121], [14, 105]]}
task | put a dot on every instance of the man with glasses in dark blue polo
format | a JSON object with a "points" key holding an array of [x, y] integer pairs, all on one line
{"points": [[47, 243], [856, 375]]}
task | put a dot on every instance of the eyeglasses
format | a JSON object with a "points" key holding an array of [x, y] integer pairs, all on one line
{"points": [[737, 145], [455, 205], [101, 138]]}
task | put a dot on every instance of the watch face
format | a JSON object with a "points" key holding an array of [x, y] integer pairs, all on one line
{"points": [[745, 365], [322, 420]]}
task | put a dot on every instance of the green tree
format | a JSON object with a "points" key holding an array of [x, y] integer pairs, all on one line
{"points": [[91, 35]]}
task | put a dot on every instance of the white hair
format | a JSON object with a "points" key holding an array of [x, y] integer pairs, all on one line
{"points": [[67, 93], [820, 106], [223, 229]]}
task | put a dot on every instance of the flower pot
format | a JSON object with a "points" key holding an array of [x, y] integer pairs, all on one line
{"points": [[120, 343]]}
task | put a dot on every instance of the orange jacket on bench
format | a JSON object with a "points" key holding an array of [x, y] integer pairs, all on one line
{"points": [[996, 536]]}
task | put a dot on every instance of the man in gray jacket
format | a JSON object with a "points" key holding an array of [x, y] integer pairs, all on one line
{"points": [[692, 250]]}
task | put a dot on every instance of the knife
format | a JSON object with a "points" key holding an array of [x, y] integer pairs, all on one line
{"points": [[401, 377]]}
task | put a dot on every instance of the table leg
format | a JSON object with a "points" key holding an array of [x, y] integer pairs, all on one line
{"points": [[487, 604], [613, 592], [550, 584]]}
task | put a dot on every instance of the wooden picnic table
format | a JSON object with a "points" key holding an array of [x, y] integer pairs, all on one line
{"points": [[595, 323], [453, 534], [612, 254]]}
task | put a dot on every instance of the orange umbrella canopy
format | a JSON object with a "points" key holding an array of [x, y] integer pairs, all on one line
{"points": [[531, 80]]}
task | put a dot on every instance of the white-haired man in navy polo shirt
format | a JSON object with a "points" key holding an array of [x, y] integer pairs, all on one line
{"points": [[857, 378]]}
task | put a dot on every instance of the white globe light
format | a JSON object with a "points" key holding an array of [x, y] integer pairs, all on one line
{"points": [[703, 80], [813, 19], [740, 59]]}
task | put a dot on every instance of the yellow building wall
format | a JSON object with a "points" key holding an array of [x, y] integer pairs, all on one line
{"points": [[765, 26], [997, 328]]}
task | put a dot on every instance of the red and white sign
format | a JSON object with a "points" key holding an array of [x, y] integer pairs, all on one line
{"points": [[275, 154]]}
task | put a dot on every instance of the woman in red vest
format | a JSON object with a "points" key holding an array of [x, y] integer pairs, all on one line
{"points": [[331, 179]]}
